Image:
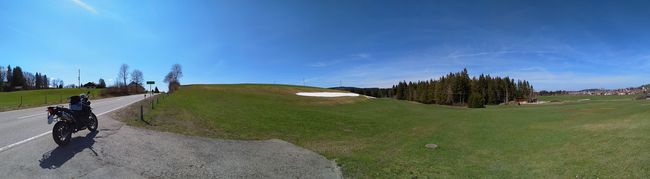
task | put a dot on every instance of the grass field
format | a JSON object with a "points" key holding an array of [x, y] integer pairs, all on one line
{"points": [[385, 138], [33, 98]]}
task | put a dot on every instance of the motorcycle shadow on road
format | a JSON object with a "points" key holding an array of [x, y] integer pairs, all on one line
{"points": [[61, 154]]}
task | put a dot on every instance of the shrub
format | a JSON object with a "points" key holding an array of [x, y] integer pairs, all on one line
{"points": [[173, 86]]}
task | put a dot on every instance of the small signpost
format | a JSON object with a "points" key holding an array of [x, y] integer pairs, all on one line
{"points": [[21, 97], [151, 83]]}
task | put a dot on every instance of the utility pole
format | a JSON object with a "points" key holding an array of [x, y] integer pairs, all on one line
{"points": [[79, 78]]}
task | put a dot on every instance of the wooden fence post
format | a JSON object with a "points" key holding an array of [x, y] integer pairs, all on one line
{"points": [[141, 113]]}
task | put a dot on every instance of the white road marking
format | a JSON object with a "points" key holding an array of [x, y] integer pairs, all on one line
{"points": [[30, 116], [49, 132], [23, 141], [118, 108]]}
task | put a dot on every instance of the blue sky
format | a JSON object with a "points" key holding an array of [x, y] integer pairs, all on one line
{"points": [[553, 44]]}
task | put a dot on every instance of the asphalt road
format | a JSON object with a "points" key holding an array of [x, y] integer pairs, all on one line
{"points": [[20, 126], [120, 151]]}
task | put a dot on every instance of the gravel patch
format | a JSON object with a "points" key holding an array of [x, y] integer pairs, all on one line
{"points": [[120, 151]]}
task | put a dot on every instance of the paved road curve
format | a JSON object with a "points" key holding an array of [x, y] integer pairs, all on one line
{"points": [[21, 126]]}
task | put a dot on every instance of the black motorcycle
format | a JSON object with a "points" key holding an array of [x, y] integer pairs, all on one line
{"points": [[70, 120]]}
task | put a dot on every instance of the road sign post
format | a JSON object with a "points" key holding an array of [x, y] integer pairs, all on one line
{"points": [[151, 83]]}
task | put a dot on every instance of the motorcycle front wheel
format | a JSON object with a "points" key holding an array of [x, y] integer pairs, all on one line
{"points": [[92, 122], [61, 133]]}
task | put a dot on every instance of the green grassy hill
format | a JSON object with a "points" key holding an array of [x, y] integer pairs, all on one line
{"points": [[33, 98], [385, 138]]}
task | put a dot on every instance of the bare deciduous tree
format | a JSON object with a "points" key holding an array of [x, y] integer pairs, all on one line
{"points": [[2, 78], [56, 83], [30, 80], [123, 74], [173, 77], [175, 74], [137, 77]]}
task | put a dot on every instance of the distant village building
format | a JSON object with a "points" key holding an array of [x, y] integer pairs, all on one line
{"points": [[606, 92], [90, 85]]}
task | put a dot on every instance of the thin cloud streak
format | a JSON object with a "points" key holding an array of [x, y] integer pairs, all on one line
{"points": [[85, 6], [350, 58], [497, 53]]}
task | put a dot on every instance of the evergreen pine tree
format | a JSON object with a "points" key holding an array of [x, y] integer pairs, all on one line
{"points": [[46, 82], [10, 78], [37, 80], [18, 78]]}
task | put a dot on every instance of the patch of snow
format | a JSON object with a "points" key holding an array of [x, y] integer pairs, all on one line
{"points": [[325, 94], [431, 146]]}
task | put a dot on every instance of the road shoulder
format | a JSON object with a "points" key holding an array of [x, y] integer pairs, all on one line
{"points": [[118, 150]]}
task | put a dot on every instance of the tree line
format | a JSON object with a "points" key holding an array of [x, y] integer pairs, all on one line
{"points": [[128, 82], [132, 82], [456, 89], [552, 93], [12, 79]]}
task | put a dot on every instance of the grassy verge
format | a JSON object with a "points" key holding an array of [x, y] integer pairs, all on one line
{"points": [[34, 98], [131, 114], [385, 138]]}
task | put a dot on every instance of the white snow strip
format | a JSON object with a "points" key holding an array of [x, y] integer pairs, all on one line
{"points": [[325, 94], [44, 114]]}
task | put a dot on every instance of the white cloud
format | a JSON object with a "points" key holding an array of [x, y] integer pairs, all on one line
{"points": [[85, 6]]}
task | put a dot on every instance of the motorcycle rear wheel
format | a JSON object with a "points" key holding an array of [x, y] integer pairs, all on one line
{"points": [[61, 133], [92, 122]]}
